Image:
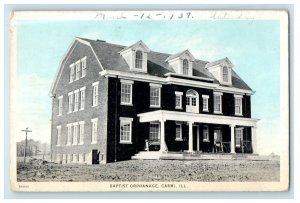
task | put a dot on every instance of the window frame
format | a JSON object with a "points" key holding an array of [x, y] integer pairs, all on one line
{"points": [[180, 132], [126, 83], [158, 131], [81, 133], [206, 139], [225, 73], [94, 136], [155, 86], [82, 98], [218, 94], [185, 67], [178, 95], [83, 67], [240, 98], [138, 60], [76, 100], [60, 105], [72, 73], [95, 98], [69, 134], [241, 130], [125, 121], [70, 102], [58, 137], [77, 70], [205, 98], [75, 134]]}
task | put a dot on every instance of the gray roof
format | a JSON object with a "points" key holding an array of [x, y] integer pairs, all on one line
{"points": [[110, 58]]}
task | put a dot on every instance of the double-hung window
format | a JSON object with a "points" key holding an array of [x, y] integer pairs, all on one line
{"points": [[83, 67], [72, 72], [178, 100], [81, 132], [95, 93], [238, 137], [238, 105], [205, 134], [76, 100], [77, 67], [155, 95], [94, 130], [185, 67], [75, 133], [126, 92], [82, 98], [58, 141], [139, 60], [69, 136], [60, 103], [205, 103], [178, 132], [225, 74], [70, 100], [154, 134], [125, 130], [217, 102]]}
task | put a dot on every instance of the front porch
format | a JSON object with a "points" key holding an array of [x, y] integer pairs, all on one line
{"points": [[191, 133]]}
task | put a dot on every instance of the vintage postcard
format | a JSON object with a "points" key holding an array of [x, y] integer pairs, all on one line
{"points": [[149, 101]]}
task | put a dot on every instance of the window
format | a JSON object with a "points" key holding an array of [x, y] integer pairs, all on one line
{"points": [[185, 67], [76, 100], [192, 101], [72, 72], [217, 102], [178, 100], [75, 133], [58, 142], [139, 60], [225, 74], [70, 106], [69, 137], [95, 93], [82, 98], [126, 92], [75, 158], [77, 67], [60, 102], [178, 131], [238, 137], [155, 95], [205, 134], [238, 104], [205, 102], [83, 67], [125, 130], [81, 132], [94, 130], [154, 134]]}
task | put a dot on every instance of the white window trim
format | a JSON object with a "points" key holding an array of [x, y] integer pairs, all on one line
{"points": [[70, 109], [176, 138], [60, 105], [237, 129], [126, 120], [94, 120], [206, 140], [241, 106], [58, 141], [83, 60], [72, 68], [178, 94], [155, 123], [220, 94], [205, 97], [75, 124], [82, 106], [76, 107], [159, 87], [69, 126], [128, 82], [81, 123], [95, 103]]}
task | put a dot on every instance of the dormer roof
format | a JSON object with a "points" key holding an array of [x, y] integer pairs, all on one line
{"points": [[223, 62], [180, 54], [138, 45]]}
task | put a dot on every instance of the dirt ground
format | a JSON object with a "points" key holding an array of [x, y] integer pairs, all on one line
{"points": [[152, 170]]}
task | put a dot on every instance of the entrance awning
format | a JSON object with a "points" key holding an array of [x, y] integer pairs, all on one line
{"points": [[162, 115]]}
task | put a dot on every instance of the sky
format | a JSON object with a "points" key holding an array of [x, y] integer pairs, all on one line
{"points": [[253, 46]]}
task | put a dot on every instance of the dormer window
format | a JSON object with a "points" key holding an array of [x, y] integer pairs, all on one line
{"points": [[136, 56], [139, 60], [225, 74], [185, 67]]}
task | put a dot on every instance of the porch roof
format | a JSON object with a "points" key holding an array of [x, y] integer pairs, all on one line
{"points": [[162, 115]]}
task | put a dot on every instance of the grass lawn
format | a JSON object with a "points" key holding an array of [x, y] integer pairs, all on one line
{"points": [[153, 170]]}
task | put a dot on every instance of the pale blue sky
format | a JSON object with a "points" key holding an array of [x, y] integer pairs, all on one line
{"points": [[252, 46]]}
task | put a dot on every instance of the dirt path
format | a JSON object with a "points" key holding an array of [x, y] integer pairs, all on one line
{"points": [[153, 170]]}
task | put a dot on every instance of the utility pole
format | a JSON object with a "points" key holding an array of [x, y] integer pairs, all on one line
{"points": [[26, 131]]}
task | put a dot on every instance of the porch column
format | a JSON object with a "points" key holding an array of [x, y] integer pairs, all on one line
{"points": [[232, 140], [191, 136], [253, 138], [163, 146]]}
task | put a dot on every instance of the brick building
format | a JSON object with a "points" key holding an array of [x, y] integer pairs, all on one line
{"points": [[110, 102]]}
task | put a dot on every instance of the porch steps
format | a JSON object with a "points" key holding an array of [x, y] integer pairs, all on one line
{"points": [[147, 155]]}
